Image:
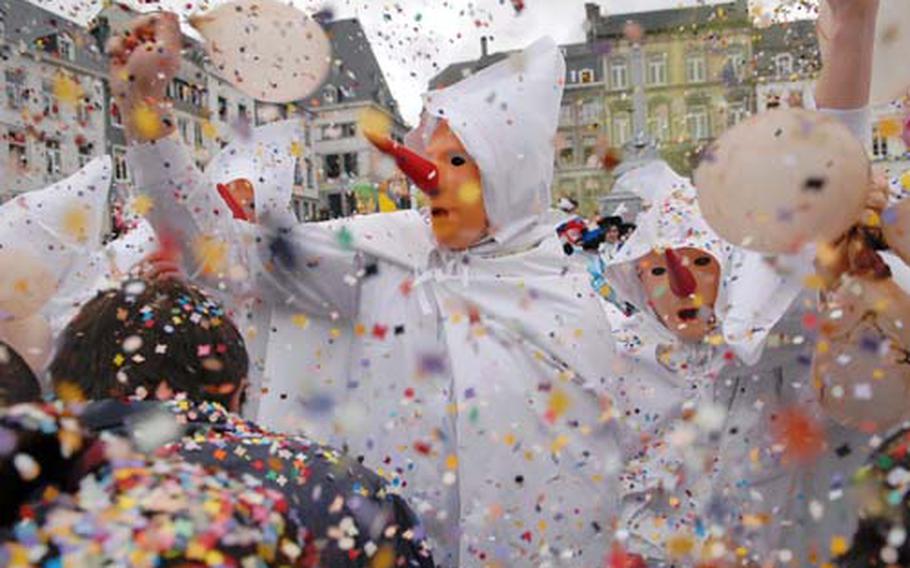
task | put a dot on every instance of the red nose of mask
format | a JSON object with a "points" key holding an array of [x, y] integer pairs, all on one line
{"points": [[682, 281], [236, 209], [420, 170]]}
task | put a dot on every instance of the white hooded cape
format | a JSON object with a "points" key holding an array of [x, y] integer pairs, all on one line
{"points": [[680, 459], [472, 378]]}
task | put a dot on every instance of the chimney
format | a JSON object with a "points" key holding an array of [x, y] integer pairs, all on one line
{"points": [[484, 47], [592, 19]]}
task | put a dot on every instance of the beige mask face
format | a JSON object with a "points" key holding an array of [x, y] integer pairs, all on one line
{"points": [[459, 216], [689, 316]]}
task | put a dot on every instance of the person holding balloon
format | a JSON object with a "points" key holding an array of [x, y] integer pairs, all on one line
{"points": [[698, 380], [478, 358], [824, 200]]}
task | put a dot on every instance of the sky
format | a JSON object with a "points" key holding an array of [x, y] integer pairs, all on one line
{"points": [[415, 39]]}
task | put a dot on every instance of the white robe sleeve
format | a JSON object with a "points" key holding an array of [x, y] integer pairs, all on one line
{"points": [[304, 266], [858, 120]]}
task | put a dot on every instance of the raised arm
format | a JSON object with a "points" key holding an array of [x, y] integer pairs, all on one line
{"points": [[846, 32], [231, 257]]}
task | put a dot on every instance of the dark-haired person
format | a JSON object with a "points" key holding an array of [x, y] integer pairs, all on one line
{"points": [[164, 340], [71, 498], [18, 383], [883, 490]]}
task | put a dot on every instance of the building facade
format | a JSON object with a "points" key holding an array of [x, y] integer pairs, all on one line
{"points": [[54, 106], [680, 77], [56, 112], [343, 163]]}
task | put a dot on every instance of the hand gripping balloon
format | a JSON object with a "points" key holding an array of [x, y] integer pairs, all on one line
{"points": [[862, 360]]}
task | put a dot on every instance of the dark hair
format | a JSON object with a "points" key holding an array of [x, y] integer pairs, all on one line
{"points": [[17, 381], [871, 537], [130, 341], [44, 446]]}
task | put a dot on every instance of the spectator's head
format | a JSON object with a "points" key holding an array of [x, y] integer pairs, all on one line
{"points": [[883, 490], [151, 339], [17, 382], [611, 227]]}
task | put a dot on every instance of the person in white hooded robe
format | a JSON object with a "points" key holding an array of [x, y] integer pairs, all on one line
{"points": [[59, 231], [693, 313], [478, 371], [714, 469]]}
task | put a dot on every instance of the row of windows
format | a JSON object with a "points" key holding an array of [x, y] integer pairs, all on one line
{"points": [[334, 165], [657, 74], [338, 131], [52, 166], [18, 94], [590, 112]]}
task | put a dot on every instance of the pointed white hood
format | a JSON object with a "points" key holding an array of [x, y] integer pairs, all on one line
{"points": [[506, 116], [267, 159], [62, 223]]}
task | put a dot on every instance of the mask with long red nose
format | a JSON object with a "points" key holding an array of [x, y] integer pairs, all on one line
{"points": [[450, 178], [681, 286]]}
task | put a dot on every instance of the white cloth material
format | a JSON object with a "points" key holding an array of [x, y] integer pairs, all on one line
{"points": [[670, 484], [506, 116], [62, 227], [858, 120], [474, 378], [267, 158]]}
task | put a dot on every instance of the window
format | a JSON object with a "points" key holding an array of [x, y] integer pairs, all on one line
{"points": [[82, 110], [696, 69], [47, 96], [348, 130], [18, 150], [589, 143], [583, 76], [736, 63], [241, 111], [590, 112], [567, 156], [222, 109], [85, 154], [698, 123], [619, 75], [183, 125], [350, 164], [66, 49], [309, 173], [736, 113], [15, 87], [659, 123], [332, 166], [121, 173], [783, 65], [198, 138], [52, 157], [622, 129], [330, 94], [298, 172], [566, 114], [116, 118], [657, 70]]}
